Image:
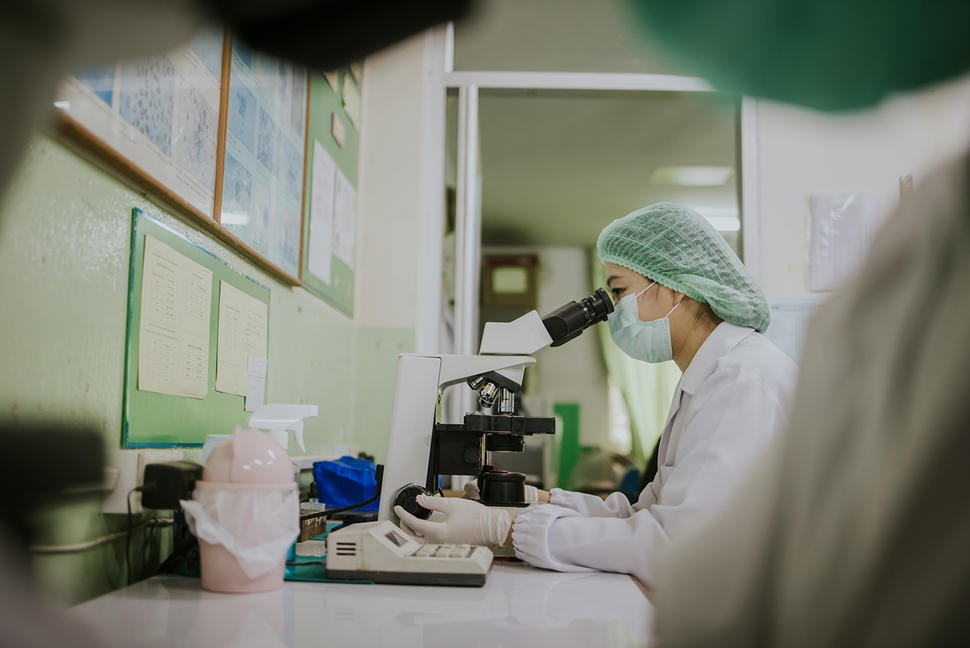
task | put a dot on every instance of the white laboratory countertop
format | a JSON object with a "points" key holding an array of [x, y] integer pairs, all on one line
{"points": [[518, 606]]}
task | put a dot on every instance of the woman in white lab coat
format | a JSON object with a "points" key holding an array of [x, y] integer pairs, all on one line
{"points": [[681, 294]]}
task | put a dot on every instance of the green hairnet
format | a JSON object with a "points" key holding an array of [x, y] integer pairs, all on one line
{"points": [[676, 247]]}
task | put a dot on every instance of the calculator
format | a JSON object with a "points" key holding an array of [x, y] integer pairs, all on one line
{"points": [[381, 552]]}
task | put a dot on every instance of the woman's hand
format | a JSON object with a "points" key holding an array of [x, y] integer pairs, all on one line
{"points": [[466, 522]]}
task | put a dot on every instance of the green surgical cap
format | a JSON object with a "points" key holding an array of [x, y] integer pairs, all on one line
{"points": [[676, 247]]}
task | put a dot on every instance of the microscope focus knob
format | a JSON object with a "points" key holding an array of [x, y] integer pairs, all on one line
{"points": [[407, 499]]}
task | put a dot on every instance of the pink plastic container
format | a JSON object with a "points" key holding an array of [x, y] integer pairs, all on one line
{"points": [[246, 462]]}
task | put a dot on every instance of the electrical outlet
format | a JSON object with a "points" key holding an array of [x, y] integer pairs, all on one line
{"points": [[130, 466]]}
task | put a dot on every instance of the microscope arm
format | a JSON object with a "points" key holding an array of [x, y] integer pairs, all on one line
{"points": [[456, 368]]}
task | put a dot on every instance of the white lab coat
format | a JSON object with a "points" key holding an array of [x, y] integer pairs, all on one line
{"points": [[729, 403]]}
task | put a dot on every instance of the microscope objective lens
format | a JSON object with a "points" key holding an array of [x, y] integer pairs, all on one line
{"points": [[476, 382], [488, 394], [507, 403]]}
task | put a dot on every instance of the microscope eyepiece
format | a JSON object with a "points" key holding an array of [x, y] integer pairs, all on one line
{"points": [[567, 322]]}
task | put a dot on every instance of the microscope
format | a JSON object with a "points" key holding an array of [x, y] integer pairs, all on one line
{"points": [[421, 448]]}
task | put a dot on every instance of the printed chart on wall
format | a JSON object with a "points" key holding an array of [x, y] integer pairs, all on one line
{"points": [[196, 351], [262, 188], [789, 318], [331, 200], [161, 114]]}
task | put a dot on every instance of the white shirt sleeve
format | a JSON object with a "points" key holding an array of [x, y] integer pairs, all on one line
{"points": [[726, 428], [616, 505], [530, 536]]}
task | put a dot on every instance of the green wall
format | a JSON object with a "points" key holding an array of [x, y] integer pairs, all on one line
{"points": [[64, 246]]}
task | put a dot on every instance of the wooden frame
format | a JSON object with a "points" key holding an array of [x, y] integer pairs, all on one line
{"points": [[304, 221], [83, 140], [264, 176]]}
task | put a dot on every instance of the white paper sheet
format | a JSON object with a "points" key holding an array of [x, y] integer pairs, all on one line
{"points": [[789, 318], [255, 383], [321, 213], [242, 333], [352, 101], [357, 70], [843, 227], [333, 78], [338, 130], [173, 332], [344, 219]]}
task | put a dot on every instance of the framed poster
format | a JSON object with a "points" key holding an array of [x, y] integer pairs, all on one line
{"points": [[263, 176], [157, 117]]}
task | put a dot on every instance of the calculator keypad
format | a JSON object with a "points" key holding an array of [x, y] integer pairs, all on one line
{"points": [[444, 551]]}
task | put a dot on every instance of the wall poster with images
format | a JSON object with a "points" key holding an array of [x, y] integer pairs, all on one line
{"points": [[157, 117], [215, 129], [263, 174]]}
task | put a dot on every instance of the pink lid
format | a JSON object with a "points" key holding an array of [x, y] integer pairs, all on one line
{"points": [[248, 457]]}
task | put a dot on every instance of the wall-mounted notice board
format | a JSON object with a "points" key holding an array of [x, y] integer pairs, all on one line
{"points": [[174, 290], [333, 143]]}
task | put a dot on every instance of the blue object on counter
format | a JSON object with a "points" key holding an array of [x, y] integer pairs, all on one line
{"points": [[346, 481], [289, 571]]}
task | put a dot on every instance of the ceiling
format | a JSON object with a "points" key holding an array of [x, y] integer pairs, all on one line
{"points": [[557, 166], [555, 36]]}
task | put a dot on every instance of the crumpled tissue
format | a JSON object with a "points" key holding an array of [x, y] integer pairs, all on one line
{"points": [[256, 527]]}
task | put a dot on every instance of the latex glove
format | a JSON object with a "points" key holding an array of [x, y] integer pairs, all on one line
{"points": [[471, 491], [466, 522], [531, 493]]}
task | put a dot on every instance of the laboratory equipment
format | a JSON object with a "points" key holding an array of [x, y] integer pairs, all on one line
{"points": [[381, 552], [421, 449]]}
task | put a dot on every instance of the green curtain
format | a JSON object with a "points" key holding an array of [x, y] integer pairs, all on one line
{"points": [[647, 388]]}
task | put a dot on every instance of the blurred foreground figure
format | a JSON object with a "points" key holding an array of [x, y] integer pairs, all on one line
{"points": [[45, 464], [827, 54], [855, 530]]}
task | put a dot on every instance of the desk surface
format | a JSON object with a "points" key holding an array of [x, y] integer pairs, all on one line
{"points": [[518, 606]]}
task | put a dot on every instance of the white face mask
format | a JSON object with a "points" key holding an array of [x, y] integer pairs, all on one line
{"points": [[647, 341]]}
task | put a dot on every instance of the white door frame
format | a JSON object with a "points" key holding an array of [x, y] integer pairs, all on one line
{"points": [[468, 225]]}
